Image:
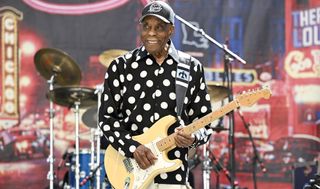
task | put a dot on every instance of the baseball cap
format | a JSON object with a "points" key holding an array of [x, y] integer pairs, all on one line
{"points": [[158, 9]]}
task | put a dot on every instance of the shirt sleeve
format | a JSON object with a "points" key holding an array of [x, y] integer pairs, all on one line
{"points": [[111, 117], [199, 104]]}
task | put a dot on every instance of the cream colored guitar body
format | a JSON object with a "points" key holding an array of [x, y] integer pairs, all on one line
{"points": [[125, 172]]}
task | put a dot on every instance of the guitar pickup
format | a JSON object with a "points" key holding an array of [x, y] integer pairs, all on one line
{"points": [[127, 163]]}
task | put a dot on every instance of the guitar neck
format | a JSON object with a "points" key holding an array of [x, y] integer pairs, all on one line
{"points": [[169, 142], [200, 123], [246, 99]]}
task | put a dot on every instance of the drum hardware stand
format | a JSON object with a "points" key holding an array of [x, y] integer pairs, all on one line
{"points": [[95, 158], [256, 158], [77, 170], [55, 66], [92, 139], [210, 162], [98, 164], [229, 55], [51, 159], [94, 161], [98, 133], [206, 167]]}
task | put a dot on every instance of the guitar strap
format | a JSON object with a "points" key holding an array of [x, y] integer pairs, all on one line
{"points": [[182, 80], [182, 83]]}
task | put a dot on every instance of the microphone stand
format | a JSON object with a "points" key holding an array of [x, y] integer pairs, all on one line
{"points": [[256, 158], [222, 47], [229, 56], [228, 78], [219, 167]]}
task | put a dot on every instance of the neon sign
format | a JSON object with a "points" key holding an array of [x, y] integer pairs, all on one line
{"points": [[75, 9], [9, 114], [239, 76], [299, 65]]}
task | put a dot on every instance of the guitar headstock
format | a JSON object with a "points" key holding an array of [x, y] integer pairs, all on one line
{"points": [[251, 97]]}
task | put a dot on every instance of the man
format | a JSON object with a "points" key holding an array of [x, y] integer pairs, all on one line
{"points": [[140, 88]]}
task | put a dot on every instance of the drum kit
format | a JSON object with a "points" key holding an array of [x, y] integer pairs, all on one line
{"points": [[58, 68]]}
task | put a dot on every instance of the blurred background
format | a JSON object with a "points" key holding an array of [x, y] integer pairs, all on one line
{"points": [[279, 40]]}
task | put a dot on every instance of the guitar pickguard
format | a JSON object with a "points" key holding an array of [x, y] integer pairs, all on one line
{"points": [[161, 165]]}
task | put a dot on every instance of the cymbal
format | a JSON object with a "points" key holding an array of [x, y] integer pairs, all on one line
{"points": [[51, 62], [217, 92], [68, 96], [89, 117], [108, 56]]}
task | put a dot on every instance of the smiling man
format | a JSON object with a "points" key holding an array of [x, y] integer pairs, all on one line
{"points": [[141, 88]]}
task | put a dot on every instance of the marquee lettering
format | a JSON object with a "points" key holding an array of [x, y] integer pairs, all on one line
{"points": [[9, 114], [305, 31], [299, 65], [243, 77]]}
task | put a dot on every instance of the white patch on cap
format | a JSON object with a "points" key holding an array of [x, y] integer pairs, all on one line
{"points": [[155, 7]]}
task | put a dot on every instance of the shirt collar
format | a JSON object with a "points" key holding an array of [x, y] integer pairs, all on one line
{"points": [[142, 52]]}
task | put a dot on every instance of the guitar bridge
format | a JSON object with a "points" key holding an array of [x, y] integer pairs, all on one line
{"points": [[127, 163]]}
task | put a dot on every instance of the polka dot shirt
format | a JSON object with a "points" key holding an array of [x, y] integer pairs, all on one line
{"points": [[138, 92]]}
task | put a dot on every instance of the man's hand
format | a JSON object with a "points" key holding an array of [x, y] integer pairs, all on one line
{"points": [[183, 140], [144, 157]]}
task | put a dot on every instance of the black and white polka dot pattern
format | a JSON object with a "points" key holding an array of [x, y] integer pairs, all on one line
{"points": [[138, 92]]}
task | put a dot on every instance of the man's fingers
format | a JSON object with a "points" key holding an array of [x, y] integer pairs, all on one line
{"points": [[183, 140], [180, 141], [144, 157], [151, 157]]}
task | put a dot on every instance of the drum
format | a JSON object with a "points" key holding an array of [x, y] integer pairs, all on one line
{"points": [[84, 162]]}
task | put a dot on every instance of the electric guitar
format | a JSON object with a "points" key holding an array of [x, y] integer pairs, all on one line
{"points": [[125, 173]]}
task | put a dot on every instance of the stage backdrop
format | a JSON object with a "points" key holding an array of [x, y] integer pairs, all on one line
{"points": [[279, 39]]}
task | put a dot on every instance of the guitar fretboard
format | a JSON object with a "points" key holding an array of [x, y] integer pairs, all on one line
{"points": [[169, 142]]}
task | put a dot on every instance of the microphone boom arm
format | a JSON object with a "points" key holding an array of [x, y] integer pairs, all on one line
{"points": [[223, 47]]}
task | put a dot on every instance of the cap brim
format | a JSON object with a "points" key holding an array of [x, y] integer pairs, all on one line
{"points": [[158, 16]]}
